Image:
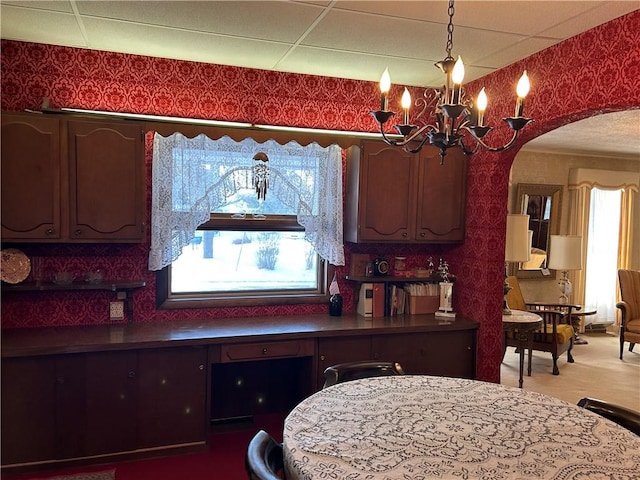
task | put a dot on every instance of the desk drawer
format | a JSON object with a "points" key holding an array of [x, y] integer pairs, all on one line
{"points": [[264, 350]]}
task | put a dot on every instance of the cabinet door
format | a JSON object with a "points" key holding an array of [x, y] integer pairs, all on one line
{"points": [[387, 180], [28, 405], [110, 396], [172, 386], [31, 177], [445, 353], [70, 410], [332, 351], [107, 178], [442, 194]]}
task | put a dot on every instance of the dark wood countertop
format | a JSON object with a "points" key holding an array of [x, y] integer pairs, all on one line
{"points": [[78, 339]]}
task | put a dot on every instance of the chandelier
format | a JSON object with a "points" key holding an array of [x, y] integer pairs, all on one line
{"points": [[450, 114]]}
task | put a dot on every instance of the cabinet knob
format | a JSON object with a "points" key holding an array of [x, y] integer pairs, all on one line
{"points": [[201, 367], [78, 232], [405, 234], [264, 351], [49, 231], [422, 234], [322, 357], [132, 374]]}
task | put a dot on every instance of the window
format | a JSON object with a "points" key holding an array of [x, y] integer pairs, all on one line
{"points": [[215, 241]]}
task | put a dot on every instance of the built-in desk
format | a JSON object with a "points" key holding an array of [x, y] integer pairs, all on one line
{"points": [[88, 393]]}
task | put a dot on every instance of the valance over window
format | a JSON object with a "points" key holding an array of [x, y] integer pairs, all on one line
{"points": [[194, 177]]}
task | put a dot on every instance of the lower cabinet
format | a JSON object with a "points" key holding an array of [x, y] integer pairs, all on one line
{"points": [[28, 401], [445, 353], [80, 405], [441, 353], [335, 350]]}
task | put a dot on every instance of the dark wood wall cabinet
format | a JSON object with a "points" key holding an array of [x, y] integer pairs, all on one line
{"points": [[81, 395], [72, 179], [394, 196]]}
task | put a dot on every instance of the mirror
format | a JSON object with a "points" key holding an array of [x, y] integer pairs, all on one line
{"points": [[543, 205]]}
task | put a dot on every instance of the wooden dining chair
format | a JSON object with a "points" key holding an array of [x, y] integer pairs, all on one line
{"points": [[625, 417], [264, 458], [556, 335], [345, 372]]}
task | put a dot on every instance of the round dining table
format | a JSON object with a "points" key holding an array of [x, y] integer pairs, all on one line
{"points": [[424, 427]]}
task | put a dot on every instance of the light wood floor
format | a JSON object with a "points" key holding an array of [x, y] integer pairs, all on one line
{"points": [[597, 372]]}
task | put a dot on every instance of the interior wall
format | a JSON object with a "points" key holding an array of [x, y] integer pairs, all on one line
{"points": [[572, 80]]}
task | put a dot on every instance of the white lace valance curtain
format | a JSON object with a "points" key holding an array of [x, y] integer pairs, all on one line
{"points": [[307, 179]]}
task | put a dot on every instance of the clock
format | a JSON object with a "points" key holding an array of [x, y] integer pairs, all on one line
{"points": [[381, 267]]}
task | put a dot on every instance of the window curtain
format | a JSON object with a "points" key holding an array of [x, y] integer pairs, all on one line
{"points": [[581, 183], [184, 195]]}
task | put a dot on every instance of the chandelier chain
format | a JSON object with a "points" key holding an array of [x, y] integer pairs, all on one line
{"points": [[450, 11]]}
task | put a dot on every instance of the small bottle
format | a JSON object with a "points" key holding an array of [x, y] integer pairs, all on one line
{"points": [[335, 305]]}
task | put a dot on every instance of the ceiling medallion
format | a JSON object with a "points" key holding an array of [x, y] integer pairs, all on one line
{"points": [[450, 114]]}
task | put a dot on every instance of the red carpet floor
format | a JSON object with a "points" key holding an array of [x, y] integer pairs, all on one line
{"points": [[223, 460]]}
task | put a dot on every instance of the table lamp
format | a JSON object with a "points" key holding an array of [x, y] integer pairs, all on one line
{"points": [[565, 253], [517, 248]]}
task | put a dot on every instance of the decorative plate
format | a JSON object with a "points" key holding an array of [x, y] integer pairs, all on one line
{"points": [[14, 265]]}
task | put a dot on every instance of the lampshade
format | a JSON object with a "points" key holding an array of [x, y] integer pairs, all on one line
{"points": [[517, 246], [565, 252]]}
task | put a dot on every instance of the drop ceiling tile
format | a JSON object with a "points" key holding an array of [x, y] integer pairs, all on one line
{"points": [[53, 5], [348, 65], [601, 13], [48, 27], [346, 31], [277, 21], [513, 52], [153, 41]]}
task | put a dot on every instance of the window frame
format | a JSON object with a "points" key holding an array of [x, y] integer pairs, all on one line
{"points": [[166, 301]]}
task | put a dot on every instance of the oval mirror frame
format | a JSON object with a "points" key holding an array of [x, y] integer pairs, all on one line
{"points": [[533, 199]]}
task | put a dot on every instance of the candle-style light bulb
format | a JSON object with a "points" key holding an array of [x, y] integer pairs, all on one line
{"points": [[457, 76], [482, 106], [406, 104], [521, 90], [385, 86]]}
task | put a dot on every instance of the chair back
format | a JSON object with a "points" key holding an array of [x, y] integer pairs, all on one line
{"points": [[514, 297], [625, 417], [630, 291], [264, 457], [345, 372]]}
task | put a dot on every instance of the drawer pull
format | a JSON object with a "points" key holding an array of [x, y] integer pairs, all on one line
{"points": [[201, 367], [264, 351]]}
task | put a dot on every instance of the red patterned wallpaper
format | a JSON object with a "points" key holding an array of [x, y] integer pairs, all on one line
{"points": [[594, 72]]}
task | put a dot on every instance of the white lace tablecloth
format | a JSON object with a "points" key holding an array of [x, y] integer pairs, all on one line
{"points": [[420, 427]]}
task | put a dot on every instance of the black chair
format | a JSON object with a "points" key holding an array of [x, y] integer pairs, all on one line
{"points": [[345, 372], [263, 460], [624, 417]]}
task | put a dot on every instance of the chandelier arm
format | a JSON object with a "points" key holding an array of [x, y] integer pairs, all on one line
{"points": [[418, 148], [388, 140], [507, 145]]}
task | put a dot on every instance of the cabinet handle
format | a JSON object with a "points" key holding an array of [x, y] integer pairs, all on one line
{"points": [[422, 234], [264, 351], [405, 234], [132, 374], [49, 231], [201, 367], [78, 233], [322, 357]]}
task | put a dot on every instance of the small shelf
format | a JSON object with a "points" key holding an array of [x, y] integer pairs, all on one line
{"points": [[397, 279], [112, 285]]}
